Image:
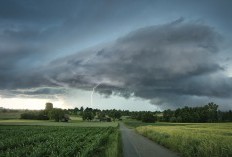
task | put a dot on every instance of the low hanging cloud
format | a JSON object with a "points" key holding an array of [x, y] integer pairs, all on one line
{"points": [[163, 62]]}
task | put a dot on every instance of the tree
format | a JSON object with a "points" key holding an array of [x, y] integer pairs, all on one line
{"points": [[101, 115], [57, 114], [148, 117], [88, 114], [75, 110], [212, 112], [167, 114], [207, 113], [115, 114], [38, 115], [65, 118]]}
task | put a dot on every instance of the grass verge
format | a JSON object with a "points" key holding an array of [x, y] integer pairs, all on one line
{"points": [[113, 147]]}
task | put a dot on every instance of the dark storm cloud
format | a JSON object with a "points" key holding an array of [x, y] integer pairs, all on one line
{"points": [[162, 63], [158, 62], [43, 91], [40, 92], [33, 33]]}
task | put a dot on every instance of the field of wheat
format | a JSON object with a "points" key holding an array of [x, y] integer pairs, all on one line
{"points": [[200, 140]]}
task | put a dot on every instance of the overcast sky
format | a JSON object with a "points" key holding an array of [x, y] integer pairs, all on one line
{"points": [[143, 55]]}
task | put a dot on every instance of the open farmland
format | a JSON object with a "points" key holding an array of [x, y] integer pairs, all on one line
{"points": [[201, 140], [56, 141]]}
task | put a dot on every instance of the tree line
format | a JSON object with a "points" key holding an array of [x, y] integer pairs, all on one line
{"points": [[49, 113], [97, 114], [207, 113], [113, 114], [203, 114]]}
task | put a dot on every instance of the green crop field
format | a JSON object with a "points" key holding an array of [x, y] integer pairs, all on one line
{"points": [[57, 141], [201, 140]]}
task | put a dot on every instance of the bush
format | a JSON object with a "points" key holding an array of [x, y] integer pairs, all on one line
{"points": [[148, 118], [173, 119], [36, 115], [57, 114]]}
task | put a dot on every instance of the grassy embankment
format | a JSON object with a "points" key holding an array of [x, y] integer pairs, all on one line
{"points": [[190, 139], [110, 146]]}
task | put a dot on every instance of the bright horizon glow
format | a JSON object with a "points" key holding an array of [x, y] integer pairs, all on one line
{"points": [[78, 98], [28, 103]]}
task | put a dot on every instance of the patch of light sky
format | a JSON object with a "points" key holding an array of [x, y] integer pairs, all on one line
{"points": [[28, 103], [78, 98]]}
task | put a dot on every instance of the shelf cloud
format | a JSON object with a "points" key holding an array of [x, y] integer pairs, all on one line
{"points": [[164, 61], [167, 54]]}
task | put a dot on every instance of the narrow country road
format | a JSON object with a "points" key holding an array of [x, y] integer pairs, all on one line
{"points": [[135, 145]]}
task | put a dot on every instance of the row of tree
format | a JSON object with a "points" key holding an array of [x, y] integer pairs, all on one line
{"points": [[49, 113], [36, 115], [108, 115], [203, 114], [207, 113], [100, 115]]}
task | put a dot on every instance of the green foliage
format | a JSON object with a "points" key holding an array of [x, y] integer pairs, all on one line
{"points": [[207, 113], [201, 140], [88, 114], [54, 141], [101, 115], [115, 114], [10, 114], [225, 116], [167, 114], [148, 117], [57, 114], [36, 115], [114, 145]]}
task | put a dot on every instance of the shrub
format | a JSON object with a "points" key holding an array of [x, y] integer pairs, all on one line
{"points": [[148, 118], [35, 115]]}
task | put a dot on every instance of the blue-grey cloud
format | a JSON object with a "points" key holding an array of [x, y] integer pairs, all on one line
{"points": [[158, 62]]}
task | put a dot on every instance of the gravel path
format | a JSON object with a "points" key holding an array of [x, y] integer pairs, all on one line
{"points": [[135, 145]]}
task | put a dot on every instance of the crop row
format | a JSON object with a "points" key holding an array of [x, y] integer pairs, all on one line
{"points": [[51, 141]]}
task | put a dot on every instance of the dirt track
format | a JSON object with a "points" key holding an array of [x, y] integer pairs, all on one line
{"points": [[135, 145]]}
